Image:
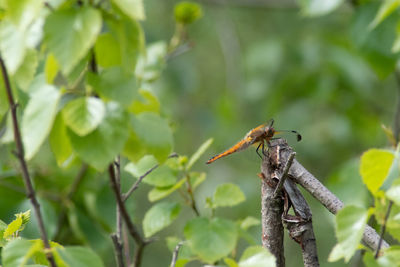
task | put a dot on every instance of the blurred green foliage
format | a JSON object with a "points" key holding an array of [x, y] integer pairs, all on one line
{"points": [[325, 70]]}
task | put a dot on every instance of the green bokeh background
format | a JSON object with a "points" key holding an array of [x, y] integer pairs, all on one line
{"points": [[248, 63]]}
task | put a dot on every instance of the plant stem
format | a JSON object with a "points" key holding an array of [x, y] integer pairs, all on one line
{"points": [[24, 168]]}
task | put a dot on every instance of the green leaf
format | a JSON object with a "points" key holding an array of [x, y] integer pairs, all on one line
{"points": [[248, 222], [51, 68], [154, 134], [394, 171], [160, 216], [114, 84], [100, 147], [147, 102], [150, 66], [228, 195], [13, 227], [130, 39], [79, 257], [39, 116], [12, 45], [350, 224], [187, 12], [391, 257], [84, 114], [318, 8], [374, 168], [211, 239], [200, 151], [231, 262], [132, 8], [257, 256], [158, 193], [107, 50], [18, 251], [386, 8], [394, 192], [59, 141], [369, 260], [70, 33], [27, 69], [23, 12]]}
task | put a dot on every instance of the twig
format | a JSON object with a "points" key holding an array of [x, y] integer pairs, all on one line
{"points": [[175, 254], [133, 231], [136, 184], [118, 244], [271, 214], [280, 184], [24, 168], [300, 226], [190, 191], [118, 250], [383, 229]]}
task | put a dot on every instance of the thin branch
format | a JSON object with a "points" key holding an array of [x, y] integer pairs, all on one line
{"points": [[281, 182], [118, 250], [137, 183], [175, 254], [118, 244], [133, 231], [383, 229], [24, 168], [190, 191]]}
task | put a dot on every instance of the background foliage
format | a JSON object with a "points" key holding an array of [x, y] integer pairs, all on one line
{"points": [[178, 77]]}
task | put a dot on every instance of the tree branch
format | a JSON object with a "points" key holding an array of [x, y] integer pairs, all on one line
{"points": [[300, 175], [30, 192], [271, 211], [300, 226], [133, 231], [175, 254], [118, 250]]}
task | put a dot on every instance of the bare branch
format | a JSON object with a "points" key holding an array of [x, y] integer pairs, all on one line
{"points": [[118, 250], [175, 254], [30, 192], [133, 231], [300, 175], [279, 186], [271, 212]]}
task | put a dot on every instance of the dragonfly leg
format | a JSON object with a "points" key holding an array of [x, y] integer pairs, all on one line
{"points": [[261, 144], [264, 150]]}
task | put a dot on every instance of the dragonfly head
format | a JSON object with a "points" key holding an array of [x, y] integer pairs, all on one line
{"points": [[269, 132]]}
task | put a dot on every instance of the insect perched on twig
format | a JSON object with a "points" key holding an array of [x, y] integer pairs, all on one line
{"points": [[257, 136]]}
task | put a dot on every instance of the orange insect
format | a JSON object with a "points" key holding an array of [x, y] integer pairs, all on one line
{"points": [[257, 136]]}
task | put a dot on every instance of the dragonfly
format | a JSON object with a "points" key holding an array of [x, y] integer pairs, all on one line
{"points": [[258, 136]]}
